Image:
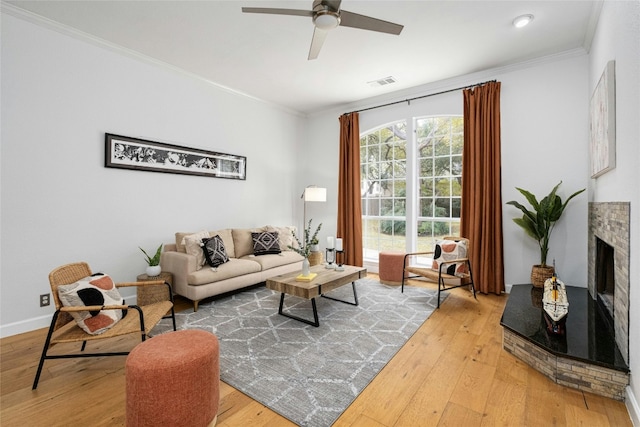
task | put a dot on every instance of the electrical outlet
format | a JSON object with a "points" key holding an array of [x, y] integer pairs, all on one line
{"points": [[45, 300]]}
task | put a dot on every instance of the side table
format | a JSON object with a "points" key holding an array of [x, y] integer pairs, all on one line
{"points": [[315, 258], [150, 294]]}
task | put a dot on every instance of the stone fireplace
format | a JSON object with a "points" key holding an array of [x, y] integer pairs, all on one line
{"points": [[608, 265], [593, 354]]}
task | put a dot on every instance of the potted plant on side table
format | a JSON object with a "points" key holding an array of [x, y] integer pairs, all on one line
{"points": [[538, 223], [153, 268]]}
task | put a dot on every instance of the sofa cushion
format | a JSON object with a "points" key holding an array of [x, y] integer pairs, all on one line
{"points": [[180, 241], [272, 261], [224, 233], [227, 239], [214, 251], [242, 240], [265, 243], [99, 290], [193, 246], [235, 267]]}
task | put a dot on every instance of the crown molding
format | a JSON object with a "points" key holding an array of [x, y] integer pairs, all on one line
{"points": [[66, 30], [451, 83]]}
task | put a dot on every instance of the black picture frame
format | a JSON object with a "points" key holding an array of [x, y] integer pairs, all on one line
{"points": [[124, 152]]}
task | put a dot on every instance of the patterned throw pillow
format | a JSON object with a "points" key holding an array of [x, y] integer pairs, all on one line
{"points": [[447, 250], [265, 243], [97, 289], [285, 236], [214, 251]]}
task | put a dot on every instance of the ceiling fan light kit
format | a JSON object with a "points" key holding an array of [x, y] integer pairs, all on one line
{"points": [[326, 20], [326, 15]]}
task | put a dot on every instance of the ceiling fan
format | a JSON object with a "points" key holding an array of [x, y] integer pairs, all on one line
{"points": [[326, 15]]}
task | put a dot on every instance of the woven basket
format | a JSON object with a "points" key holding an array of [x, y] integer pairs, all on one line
{"points": [[539, 274]]}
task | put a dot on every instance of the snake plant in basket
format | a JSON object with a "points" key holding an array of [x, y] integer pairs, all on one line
{"points": [[538, 223]]}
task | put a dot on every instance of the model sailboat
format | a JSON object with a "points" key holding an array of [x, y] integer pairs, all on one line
{"points": [[555, 305]]}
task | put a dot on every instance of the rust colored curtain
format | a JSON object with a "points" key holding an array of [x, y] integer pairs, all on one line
{"points": [[349, 201], [481, 209]]}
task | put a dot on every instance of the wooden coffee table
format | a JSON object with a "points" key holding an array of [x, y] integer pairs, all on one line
{"points": [[325, 281]]}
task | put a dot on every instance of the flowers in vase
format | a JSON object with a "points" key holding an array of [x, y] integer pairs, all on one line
{"points": [[309, 239]]}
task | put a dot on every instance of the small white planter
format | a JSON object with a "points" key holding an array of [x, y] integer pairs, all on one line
{"points": [[153, 270]]}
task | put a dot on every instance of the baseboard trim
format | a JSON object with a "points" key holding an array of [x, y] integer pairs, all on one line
{"points": [[633, 408], [36, 323], [25, 326]]}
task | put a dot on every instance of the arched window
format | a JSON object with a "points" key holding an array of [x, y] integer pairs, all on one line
{"points": [[431, 167]]}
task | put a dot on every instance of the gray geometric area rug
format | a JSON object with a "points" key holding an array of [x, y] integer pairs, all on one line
{"points": [[307, 374]]}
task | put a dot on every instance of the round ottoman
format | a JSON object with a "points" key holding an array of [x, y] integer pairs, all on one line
{"points": [[173, 379], [391, 267]]}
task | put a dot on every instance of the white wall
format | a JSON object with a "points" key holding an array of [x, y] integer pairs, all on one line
{"points": [[544, 116], [60, 204], [618, 38]]}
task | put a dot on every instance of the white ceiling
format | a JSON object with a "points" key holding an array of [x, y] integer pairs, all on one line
{"points": [[265, 56]]}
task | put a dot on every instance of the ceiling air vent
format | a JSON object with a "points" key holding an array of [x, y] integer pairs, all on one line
{"points": [[382, 82]]}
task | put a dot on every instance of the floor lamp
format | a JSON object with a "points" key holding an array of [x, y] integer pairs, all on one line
{"points": [[311, 194]]}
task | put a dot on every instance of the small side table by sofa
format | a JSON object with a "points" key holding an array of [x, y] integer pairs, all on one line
{"points": [[315, 258], [150, 294]]}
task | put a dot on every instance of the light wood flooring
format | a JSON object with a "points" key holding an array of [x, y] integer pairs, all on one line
{"points": [[452, 372]]}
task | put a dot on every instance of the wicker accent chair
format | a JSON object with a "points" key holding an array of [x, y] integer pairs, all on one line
{"points": [[445, 281], [64, 329]]}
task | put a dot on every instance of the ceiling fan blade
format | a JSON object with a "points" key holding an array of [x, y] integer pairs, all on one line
{"points": [[317, 42], [350, 19], [294, 12]]}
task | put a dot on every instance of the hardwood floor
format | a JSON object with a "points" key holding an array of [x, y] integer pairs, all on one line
{"points": [[452, 372]]}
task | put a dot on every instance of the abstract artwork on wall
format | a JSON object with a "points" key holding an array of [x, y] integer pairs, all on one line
{"points": [[123, 152], [602, 132]]}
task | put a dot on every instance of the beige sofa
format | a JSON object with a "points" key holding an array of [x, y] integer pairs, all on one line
{"points": [[194, 279]]}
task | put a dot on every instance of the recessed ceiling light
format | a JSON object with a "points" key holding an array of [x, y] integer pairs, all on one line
{"points": [[522, 20]]}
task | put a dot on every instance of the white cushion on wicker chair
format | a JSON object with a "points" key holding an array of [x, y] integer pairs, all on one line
{"points": [[96, 290]]}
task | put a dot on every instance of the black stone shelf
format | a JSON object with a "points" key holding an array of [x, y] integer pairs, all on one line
{"points": [[588, 337]]}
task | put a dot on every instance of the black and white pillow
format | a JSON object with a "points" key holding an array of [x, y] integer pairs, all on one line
{"points": [[214, 251], [265, 242], [96, 290]]}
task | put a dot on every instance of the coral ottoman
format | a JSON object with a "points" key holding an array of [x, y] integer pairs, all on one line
{"points": [[391, 267], [174, 380]]}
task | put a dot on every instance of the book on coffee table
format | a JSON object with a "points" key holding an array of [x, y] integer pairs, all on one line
{"points": [[308, 278]]}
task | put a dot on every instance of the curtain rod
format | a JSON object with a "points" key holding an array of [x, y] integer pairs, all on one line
{"points": [[408, 100]]}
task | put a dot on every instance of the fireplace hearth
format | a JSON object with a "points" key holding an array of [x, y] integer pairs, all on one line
{"points": [[585, 357], [593, 355]]}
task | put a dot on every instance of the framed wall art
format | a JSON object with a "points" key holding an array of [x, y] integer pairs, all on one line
{"points": [[124, 152], [602, 127]]}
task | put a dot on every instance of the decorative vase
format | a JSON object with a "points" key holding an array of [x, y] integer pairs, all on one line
{"points": [[153, 270], [540, 273], [305, 267]]}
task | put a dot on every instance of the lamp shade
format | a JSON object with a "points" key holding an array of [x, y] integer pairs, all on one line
{"points": [[315, 194]]}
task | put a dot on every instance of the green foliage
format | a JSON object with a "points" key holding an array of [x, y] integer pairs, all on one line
{"points": [[309, 239], [539, 222], [439, 228], [155, 260], [397, 228]]}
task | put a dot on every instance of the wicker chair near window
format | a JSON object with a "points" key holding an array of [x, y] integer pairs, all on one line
{"points": [[445, 281], [64, 329]]}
